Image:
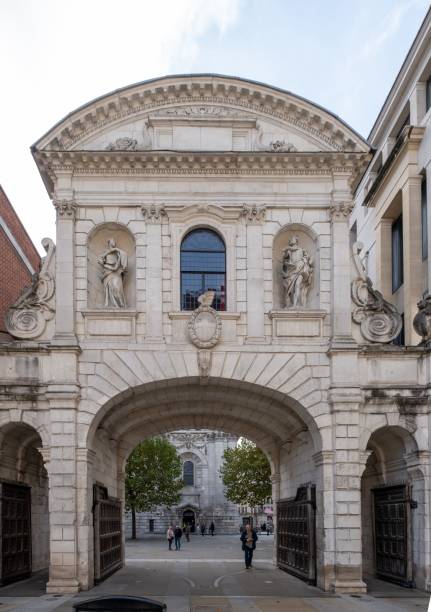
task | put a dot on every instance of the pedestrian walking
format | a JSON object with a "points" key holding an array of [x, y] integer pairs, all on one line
{"points": [[263, 527], [187, 531], [178, 534], [170, 536], [203, 529], [248, 539], [212, 528]]}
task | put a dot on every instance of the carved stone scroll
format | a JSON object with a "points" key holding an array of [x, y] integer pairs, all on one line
{"points": [[27, 317], [378, 319]]}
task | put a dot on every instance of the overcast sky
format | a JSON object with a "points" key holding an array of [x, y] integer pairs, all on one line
{"points": [[58, 54]]}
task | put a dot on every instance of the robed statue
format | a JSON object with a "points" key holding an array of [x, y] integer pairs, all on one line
{"points": [[114, 264], [297, 274]]}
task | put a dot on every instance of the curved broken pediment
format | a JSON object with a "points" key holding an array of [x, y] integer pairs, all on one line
{"points": [[198, 113]]}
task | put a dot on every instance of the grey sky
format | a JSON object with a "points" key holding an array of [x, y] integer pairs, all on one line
{"points": [[57, 54]]}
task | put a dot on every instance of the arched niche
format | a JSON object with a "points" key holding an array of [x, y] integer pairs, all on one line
{"points": [[307, 240], [97, 245]]}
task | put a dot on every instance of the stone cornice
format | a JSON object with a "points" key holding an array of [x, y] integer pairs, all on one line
{"points": [[174, 163], [237, 94]]}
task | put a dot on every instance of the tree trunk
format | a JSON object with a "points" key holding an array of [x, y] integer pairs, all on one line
{"points": [[133, 524]]}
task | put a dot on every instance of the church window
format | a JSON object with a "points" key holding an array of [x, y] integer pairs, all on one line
{"points": [[188, 473], [203, 268]]}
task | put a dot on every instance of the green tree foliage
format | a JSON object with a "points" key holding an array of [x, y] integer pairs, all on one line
{"points": [[153, 477], [246, 474]]}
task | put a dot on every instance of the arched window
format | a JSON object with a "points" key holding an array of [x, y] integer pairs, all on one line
{"points": [[203, 267], [189, 473]]}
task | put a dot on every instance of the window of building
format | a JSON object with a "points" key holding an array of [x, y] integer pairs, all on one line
{"points": [[188, 473], [397, 254], [424, 218], [428, 93], [203, 268], [405, 122], [400, 339]]}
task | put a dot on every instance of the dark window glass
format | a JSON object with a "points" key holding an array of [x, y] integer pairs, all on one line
{"points": [[188, 473], [428, 93], [203, 268], [424, 218], [397, 254], [400, 339]]}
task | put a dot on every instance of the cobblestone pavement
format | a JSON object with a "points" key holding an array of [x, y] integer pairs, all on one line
{"points": [[208, 575]]}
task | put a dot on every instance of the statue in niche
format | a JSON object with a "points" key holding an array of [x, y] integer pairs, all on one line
{"points": [[297, 273], [114, 264]]}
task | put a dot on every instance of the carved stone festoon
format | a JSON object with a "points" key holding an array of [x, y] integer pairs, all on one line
{"points": [[378, 319], [297, 274], [422, 320], [204, 328], [123, 144], [27, 317]]}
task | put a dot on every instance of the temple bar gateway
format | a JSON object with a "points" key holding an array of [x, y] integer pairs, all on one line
{"points": [[203, 278]]}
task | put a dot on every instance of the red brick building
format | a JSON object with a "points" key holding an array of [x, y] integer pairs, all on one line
{"points": [[19, 257]]}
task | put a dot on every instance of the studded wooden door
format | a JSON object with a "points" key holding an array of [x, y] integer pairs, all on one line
{"points": [[108, 540], [296, 527], [392, 509], [15, 502]]}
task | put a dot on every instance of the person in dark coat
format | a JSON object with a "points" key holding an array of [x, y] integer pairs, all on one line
{"points": [[212, 527], [248, 539], [178, 534]]}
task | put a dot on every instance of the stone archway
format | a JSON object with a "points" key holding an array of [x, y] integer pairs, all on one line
{"points": [[393, 501], [279, 425], [24, 493]]}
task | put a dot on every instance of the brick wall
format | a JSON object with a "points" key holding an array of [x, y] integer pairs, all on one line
{"points": [[14, 273]]}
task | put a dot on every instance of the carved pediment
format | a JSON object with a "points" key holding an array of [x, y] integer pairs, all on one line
{"points": [[127, 113]]}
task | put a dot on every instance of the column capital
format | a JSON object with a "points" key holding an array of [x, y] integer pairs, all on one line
{"points": [[253, 214], [340, 211], [86, 455], [153, 213], [275, 478], [66, 208], [323, 458]]}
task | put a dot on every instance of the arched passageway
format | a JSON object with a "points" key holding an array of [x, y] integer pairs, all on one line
{"points": [[24, 496], [393, 509], [280, 426]]}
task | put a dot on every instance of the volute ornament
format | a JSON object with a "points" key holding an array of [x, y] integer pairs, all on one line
{"points": [[205, 324], [379, 320], [422, 320], [27, 317]]}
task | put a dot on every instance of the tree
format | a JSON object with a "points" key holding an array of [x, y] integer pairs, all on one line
{"points": [[153, 477], [246, 474]]}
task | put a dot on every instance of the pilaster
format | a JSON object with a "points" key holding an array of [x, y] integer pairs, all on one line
{"points": [[411, 196], [254, 218], [154, 216], [340, 210], [384, 257], [65, 206]]}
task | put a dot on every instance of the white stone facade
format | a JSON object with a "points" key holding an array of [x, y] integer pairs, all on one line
{"points": [[145, 165], [202, 501]]}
